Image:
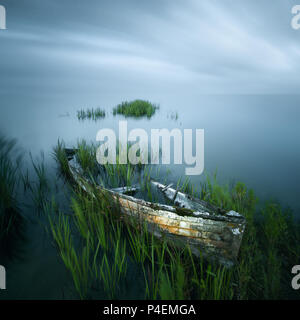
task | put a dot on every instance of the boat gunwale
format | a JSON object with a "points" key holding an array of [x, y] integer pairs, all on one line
{"points": [[239, 219]]}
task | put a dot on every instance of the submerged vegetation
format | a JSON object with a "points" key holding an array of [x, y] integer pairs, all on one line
{"points": [[93, 114], [173, 115], [110, 257], [11, 221], [136, 108]]}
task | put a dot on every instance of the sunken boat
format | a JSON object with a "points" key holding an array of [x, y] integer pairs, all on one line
{"points": [[211, 232]]}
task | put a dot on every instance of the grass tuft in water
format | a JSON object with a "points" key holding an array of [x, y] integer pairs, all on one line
{"points": [[136, 109], [61, 158], [91, 114]]}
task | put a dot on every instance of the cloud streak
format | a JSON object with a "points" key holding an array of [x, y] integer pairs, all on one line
{"points": [[243, 47]]}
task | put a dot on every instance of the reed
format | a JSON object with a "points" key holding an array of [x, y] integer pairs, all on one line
{"points": [[138, 242], [91, 114], [61, 158], [97, 230], [112, 270], [39, 186], [153, 268], [9, 173], [86, 156], [11, 220], [173, 278], [78, 263]]}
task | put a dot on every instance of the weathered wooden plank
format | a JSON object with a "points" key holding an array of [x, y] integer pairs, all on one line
{"points": [[126, 190], [218, 238]]}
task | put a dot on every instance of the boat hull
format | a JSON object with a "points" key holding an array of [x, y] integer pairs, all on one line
{"points": [[217, 241], [216, 237]]}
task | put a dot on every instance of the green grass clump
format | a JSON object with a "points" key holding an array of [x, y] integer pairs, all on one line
{"points": [[61, 158], [93, 114], [86, 156], [136, 109]]}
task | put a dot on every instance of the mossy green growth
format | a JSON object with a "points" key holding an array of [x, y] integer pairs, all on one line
{"points": [[136, 109], [184, 212]]}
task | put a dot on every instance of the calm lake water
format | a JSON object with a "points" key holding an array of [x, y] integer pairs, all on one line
{"points": [[248, 138]]}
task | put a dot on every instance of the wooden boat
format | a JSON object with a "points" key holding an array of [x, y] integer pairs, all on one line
{"points": [[211, 232]]}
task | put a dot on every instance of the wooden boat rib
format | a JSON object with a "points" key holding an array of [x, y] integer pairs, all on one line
{"points": [[209, 231]]}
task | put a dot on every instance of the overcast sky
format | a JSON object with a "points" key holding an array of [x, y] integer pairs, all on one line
{"points": [[212, 46]]}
